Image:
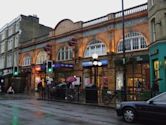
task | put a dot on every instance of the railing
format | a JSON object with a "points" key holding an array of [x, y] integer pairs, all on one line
{"points": [[129, 11], [133, 10], [95, 21], [102, 97]]}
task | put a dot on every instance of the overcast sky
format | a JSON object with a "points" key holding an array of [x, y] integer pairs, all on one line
{"points": [[51, 12]]}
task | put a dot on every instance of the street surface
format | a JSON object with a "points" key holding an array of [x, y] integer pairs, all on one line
{"points": [[34, 112]]}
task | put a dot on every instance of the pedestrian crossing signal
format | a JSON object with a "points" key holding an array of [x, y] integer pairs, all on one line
{"points": [[49, 66], [15, 71]]}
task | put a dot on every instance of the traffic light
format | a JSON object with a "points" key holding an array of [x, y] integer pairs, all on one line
{"points": [[15, 71], [49, 67]]}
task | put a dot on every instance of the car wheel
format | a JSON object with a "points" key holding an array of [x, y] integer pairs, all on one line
{"points": [[129, 115]]}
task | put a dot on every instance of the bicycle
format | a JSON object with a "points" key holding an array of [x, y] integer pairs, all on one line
{"points": [[108, 97], [71, 95]]}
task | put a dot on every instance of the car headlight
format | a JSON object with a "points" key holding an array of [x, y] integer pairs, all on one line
{"points": [[118, 105]]}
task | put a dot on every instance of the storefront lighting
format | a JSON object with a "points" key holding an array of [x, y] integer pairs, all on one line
{"points": [[99, 63], [95, 56], [96, 63], [38, 68]]}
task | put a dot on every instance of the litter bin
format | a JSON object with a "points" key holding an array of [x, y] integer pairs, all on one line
{"points": [[91, 94]]}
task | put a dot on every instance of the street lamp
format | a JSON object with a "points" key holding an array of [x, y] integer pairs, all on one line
{"points": [[124, 54], [96, 63]]}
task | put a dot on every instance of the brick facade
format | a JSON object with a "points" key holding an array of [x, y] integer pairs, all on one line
{"points": [[108, 32]]}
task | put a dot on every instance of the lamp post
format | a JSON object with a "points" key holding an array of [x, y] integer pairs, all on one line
{"points": [[124, 54], [96, 63]]}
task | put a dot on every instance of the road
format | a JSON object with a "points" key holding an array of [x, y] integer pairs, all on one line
{"points": [[35, 112]]}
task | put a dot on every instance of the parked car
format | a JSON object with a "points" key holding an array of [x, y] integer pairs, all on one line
{"points": [[153, 109]]}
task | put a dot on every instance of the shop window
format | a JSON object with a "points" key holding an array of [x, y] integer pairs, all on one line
{"points": [[133, 41], [119, 80], [97, 47], [156, 69], [65, 53]]}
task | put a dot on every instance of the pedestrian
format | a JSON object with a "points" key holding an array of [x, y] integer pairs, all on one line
{"points": [[138, 89], [10, 90], [138, 85], [155, 88], [40, 88]]}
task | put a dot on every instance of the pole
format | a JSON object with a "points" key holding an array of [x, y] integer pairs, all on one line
{"points": [[124, 54], [95, 76]]}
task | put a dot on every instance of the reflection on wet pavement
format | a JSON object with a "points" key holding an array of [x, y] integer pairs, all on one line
{"points": [[34, 112]]}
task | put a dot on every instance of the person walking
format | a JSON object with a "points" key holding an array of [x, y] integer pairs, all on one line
{"points": [[155, 88], [40, 89], [138, 89], [10, 90]]}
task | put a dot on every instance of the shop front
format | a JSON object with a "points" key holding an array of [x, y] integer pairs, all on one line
{"points": [[62, 71], [10, 80], [98, 74], [38, 75], [137, 74], [25, 74], [7, 75], [158, 65]]}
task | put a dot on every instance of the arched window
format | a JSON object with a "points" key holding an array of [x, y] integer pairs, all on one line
{"points": [[27, 61], [133, 41], [97, 47], [41, 57], [65, 53]]}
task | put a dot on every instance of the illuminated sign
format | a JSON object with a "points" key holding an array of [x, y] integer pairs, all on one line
{"points": [[89, 63], [62, 65], [7, 71]]}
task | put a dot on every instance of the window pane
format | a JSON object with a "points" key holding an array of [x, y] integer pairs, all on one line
{"points": [[135, 43], [120, 47], [71, 54], [59, 56], [143, 43], [128, 45], [65, 53], [42, 56], [95, 47]]}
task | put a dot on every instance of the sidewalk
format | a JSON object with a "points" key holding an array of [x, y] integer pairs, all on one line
{"points": [[25, 96], [112, 106], [16, 96]]}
